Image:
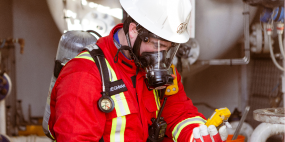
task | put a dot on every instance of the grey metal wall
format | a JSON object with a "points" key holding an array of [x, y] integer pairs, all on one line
{"points": [[6, 19], [217, 86], [33, 22]]}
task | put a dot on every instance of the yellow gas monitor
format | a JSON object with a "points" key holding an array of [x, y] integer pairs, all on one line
{"points": [[218, 117], [172, 89]]}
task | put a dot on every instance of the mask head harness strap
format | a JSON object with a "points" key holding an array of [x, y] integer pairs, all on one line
{"points": [[129, 47], [143, 35]]}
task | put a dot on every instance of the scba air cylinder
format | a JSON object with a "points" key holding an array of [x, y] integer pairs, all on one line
{"points": [[70, 45]]}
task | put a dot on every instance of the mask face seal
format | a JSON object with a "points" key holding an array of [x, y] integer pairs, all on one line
{"points": [[156, 64]]}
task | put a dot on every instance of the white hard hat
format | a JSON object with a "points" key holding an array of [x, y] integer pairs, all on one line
{"points": [[167, 19]]}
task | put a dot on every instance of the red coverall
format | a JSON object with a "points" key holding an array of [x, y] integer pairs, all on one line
{"points": [[76, 117]]}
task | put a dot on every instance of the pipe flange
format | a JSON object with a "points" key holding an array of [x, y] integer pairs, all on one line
{"points": [[4, 138], [270, 115], [5, 86], [256, 38]]}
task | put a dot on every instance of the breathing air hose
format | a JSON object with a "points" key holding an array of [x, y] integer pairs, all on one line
{"points": [[280, 28], [269, 33]]}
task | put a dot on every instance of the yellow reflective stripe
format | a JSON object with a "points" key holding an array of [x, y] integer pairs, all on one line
{"points": [[156, 101], [50, 133], [88, 58], [121, 105], [85, 55], [157, 98], [112, 71], [126, 107], [180, 126], [118, 129], [85, 52], [123, 128], [113, 130], [116, 105]]}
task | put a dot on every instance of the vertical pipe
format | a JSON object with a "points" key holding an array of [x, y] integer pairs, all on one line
{"points": [[246, 30], [192, 19], [246, 48], [2, 118], [283, 80], [244, 88], [283, 76]]}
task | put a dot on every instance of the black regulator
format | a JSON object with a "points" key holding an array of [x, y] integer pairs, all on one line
{"points": [[155, 65]]}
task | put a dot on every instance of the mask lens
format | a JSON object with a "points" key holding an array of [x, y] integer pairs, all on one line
{"points": [[171, 54], [161, 45]]}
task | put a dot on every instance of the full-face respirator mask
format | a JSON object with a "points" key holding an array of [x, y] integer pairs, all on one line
{"points": [[157, 65], [155, 60]]}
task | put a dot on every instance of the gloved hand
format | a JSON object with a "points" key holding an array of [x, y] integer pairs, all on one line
{"points": [[210, 134]]}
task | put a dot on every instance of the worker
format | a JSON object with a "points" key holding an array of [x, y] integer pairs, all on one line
{"points": [[137, 56]]}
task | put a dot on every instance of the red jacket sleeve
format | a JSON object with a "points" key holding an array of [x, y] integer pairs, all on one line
{"points": [[180, 115], [77, 117]]}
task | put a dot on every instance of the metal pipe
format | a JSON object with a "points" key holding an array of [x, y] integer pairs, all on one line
{"points": [[264, 130], [283, 81], [240, 61], [281, 45], [2, 118], [272, 55], [240, 123], [192, 19]]}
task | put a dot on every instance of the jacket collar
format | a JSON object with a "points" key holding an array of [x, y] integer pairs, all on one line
{"points": [[109, 48]]}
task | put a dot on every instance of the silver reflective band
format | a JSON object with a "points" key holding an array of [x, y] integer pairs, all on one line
{"points": [[120, 104], [118, 129]]}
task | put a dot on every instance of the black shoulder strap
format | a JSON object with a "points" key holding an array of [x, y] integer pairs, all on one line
{"points": [[101, 140], [109, 88], [57, 68], [99, 58]]}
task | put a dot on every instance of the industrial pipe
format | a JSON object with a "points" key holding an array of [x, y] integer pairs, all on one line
{"points": [[281, 45], [283, 76], [241, 61], [2, 118], [264, 130], [272, 55]]}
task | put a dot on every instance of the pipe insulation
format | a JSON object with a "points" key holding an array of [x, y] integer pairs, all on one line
{"points": [[265, 130]]}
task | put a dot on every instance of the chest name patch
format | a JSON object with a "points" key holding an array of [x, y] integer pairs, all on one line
{"points": [[117, 87]]}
